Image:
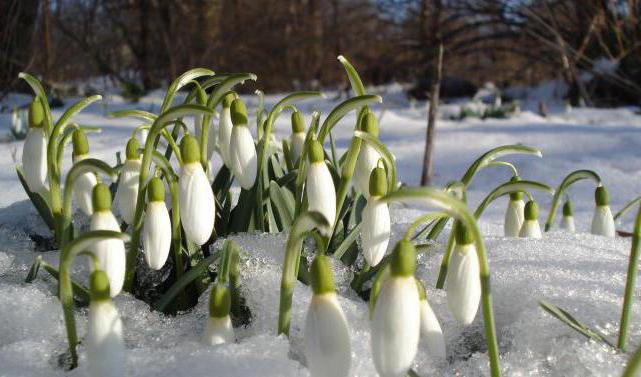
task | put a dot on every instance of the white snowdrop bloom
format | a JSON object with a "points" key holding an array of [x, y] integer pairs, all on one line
{"points": [[567, 221], [367, 156], [396, 325], [321, 194], [602, 221], [326, 339], [84, 184], [431, 332], [463, 284], [242, 151], [219, 328], [34, 151], [225, 127], [197, 203], [143, 136], [110, 253], [127, 191], [376, 227], [156, 233], [514, 214], [531, 227], [105, 344], [297, 138]]}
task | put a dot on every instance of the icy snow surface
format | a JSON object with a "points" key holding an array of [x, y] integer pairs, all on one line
{"points": [[583, 274]]}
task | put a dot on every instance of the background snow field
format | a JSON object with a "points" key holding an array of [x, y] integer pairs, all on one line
{"points": [[581, 273]]}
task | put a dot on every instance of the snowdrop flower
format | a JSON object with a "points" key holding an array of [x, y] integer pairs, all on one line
{"points": [[156, 234], [367, 156], [83, 186], [297, 139], [197, 203], [127, 191], [327, 343], [16, 122], [110, 253], [567, 222], [463, 281], [430, 328], [219, 329], [34, 152], [375, 231], [321, 194], [531, 227], [242, 151], [514, 214], [105, 345], [397, 320], [602, 221], [225, 128]]}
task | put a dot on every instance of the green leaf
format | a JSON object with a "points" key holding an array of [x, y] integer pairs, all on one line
{"points": [[509, 187], [352, 75], [39, 91], [226, 85], [627, 207], [181, 81], [348, 241], [39, 202], [138, 114], [74, 109], [570, 179], [569, 320], [81, 293], [342, 109], [486, 159], [284, 202]]}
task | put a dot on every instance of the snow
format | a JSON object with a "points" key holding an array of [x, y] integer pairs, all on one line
{"points": [[581, 273]]}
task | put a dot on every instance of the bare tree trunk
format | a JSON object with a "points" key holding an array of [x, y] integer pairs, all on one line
{"points": [[431, 119]]}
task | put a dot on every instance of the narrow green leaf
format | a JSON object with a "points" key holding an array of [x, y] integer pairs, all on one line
{"points": [[181, 81], [352, 75], [342, 109], [486, 159], [76, 108], [570, 179], [627, 207], [284, 202], [509, 187], [39, 91], [569, 320], [39, 202], [133, 113], [348, 241]]}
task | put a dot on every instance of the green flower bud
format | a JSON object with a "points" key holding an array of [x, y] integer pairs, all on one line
{"points": [[298, 123], [132, 152], [219, 301], [601, 196], [369, 124], [101, 197], [189, 149], [80, 143], [531, 210], [403, 259], [228, 99], [36, 114], [567, 208], [378, 182], [461, 234], [99, 286], [316, 152], [514, 196], [238, 113], [156, 190], [322, 276]]}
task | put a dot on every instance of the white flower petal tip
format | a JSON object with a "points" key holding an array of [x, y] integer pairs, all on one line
{"points": [[242, 156], [327, 342], [127, 191], [567, 224], [297, 142], [156, 235], [224, 135], [513, 218], [218, 331], [105, 345], [463, 284], [603, 222], [530, 229], [110, 253], [197, 204], [321, 193], [396, 326], [431, 332], [34, 159], [367, 159], [375, 231], [82, 189]]}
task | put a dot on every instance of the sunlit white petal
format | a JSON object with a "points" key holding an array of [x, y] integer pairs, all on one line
{"points": [[431, 332], [224, 134], [110, 253], [603, 222], [197, 204], [375, 230], [513, 218], [321, 194], [156, 235], [127, 191], [567, 223], [242, 156], [297, 142], [218, 331], [367, 159], [34, 159], [463, 284], [530, 229], [105, 345]]}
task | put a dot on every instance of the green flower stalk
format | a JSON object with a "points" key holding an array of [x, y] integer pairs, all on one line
{"points": [[630, 284]]}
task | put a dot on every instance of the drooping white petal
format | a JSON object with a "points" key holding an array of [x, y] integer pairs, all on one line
{"points": [[34, 159], [156, 235], [603, 222], [143, 136], [297, 142], [127, 191], [110, 253], [514, 218], [367, 159], [396, 326], [327, 343], [463, 284], [567, 223], [105, 345], [242, 156], [197, 204], [218, 331], [321, 194], [82, 190], [530, 229], [224, 134], [375, 231], [431, 332]]}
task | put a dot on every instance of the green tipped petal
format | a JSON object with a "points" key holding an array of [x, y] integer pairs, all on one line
{"points": [[101, 198], [316, 152], [461, 234], [238, 113], [567, 208], [298, 123], [516, 195], [601, 196], [422, 295], [228, 99], [36, 114], [80, 143], [531, 210], [219, 301], [156, 190], [321, 274], [369, 124], [378, 182], [132, 151], [99, 286], [190, 149], [403, 261]]}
